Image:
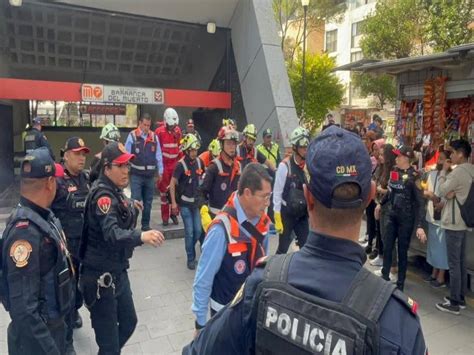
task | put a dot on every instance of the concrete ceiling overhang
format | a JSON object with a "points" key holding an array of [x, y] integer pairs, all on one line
{"points": [[190, 11]]}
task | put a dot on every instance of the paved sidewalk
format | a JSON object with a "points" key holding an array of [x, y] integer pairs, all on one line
{"points": [[162, 290]]}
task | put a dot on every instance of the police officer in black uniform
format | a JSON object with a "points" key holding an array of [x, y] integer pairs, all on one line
{"points": [[37, 273], [407, 209], [317, 300], [108, 239], [34, 138], [68, 206]]}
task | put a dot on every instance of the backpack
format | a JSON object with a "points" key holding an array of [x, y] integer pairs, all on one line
{"points": [[467, 209], [290, 321]]}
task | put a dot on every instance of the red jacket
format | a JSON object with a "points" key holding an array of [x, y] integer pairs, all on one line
{"points": [[169, 143]]}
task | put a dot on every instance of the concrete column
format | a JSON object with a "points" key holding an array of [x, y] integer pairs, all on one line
{"points": [[263, 77]]}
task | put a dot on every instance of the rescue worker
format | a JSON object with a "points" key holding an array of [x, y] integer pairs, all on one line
{"points": [[148, 163], [108, 240], [269, 149], [169, 136], [109, 133], [221, 179], [190, 129], [212, 152], [289, 205], [34, 138], [234, 242], [187, 177], [246, 152], [68, 206], [36, 282], [322, 281], [406, 211]]}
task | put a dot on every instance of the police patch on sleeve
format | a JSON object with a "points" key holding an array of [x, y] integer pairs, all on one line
{"points": [[104, 204], [20, 252]]}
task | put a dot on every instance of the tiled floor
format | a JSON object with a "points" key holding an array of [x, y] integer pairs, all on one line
{"points": [[162, 287]]}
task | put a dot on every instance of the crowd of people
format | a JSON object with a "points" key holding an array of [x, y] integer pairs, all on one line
{"points": [[231, 197]]}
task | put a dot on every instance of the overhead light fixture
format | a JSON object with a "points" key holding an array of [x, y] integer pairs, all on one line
{"points": [[16, 2], [211, 27]]}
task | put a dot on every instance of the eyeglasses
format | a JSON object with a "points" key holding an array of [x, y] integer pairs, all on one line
{"points": [[121, 166], [266, 197]]}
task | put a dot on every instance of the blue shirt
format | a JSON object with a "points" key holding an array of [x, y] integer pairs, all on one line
{"points": [[159, 157], [213, 252], [324, 267]]}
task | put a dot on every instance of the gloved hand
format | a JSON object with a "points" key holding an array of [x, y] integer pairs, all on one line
{"points": [[278, 222], [205, 217]]}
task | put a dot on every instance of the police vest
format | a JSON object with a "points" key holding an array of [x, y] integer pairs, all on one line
{"points": [[71, 211], [241, 255], [293, 196], [401, 186], [290, 321], [31, 140], [145, 154], [95, 251], [225, 183], [245, 157], [271, 154], [56, 291], [187, 187]]}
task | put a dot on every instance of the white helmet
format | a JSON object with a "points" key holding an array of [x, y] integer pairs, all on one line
{"points": [[171, 117]]}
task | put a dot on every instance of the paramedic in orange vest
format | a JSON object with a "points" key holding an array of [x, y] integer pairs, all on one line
{"points": [[222, 177], [183, 191], [246, 151], [169, 136], [235, 240], [148, 163]]}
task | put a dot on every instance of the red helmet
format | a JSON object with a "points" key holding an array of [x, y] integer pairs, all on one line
{"points": [[228, 133]]}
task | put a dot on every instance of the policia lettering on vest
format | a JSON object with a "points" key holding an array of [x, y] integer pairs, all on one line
{"points": [[290, 304]]}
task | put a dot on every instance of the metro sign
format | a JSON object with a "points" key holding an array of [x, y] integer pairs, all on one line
{"points": [[92, 92]]}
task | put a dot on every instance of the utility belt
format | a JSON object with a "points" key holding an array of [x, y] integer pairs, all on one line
{"points": [[94, 284]]}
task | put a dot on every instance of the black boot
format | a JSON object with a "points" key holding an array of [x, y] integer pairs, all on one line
{"points": [[174, 219]]}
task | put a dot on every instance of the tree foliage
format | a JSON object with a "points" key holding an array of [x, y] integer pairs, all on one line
{"points": [[382, 86], [323, 89], [289, 15]]}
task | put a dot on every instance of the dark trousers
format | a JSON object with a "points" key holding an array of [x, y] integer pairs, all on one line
{"points": [[456, 247], [371, 227], [143, 188], [399, 227], [73, 247], [113, 316], [20, 341], [290, 223]]}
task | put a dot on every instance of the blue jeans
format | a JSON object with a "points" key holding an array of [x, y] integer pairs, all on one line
{"points": [[192, 230], [143, 188]]}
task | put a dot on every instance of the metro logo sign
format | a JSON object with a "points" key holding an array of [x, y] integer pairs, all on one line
{"points": [[92, 92], [158, 97]]}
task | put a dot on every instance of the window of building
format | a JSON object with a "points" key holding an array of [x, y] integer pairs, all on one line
{"points": [[84, 114], [356, 33], [331, 41], [355, 56]]}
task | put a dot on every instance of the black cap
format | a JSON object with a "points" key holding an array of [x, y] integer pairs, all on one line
{"points": [[76, 144], [267, 132], [405, 151], [38, 164], [36, 120], [115, 152]]}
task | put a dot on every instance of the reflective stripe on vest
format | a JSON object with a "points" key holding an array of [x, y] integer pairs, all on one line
{"points": [[215, 306], [139, 167], [170, 145], [169, 156], [214, 210], [227, 225]]}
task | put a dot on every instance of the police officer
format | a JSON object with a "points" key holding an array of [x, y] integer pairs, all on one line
{"points": [[37, 276], [109, 133], [269, 149], [187, 177], [222, 177], [34, 138], [324, 276], [68, 206], [108, 240], [234, 242], [289, 205], [407, 207], [190, 129], [246, 152], [144, 144]]}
